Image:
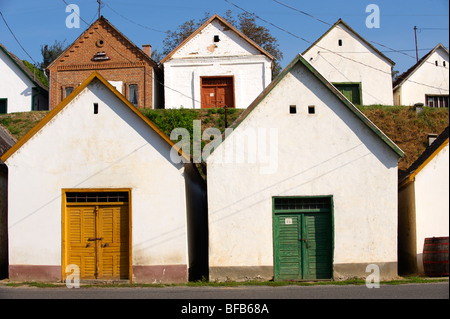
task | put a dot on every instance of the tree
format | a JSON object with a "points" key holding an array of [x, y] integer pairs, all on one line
{"points": [[50, 53], [174, 38], [261, 36], [395, 74], [245, 22], [157, 57]]}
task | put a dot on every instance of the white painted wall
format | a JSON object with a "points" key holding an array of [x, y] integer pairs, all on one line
{"points": [[355, 61], [427, 79], [329, 153], [118, 85], [14, 86], [432, 200], [111, 149], [232, 56]]}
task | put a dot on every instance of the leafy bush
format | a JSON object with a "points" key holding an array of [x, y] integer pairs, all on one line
{"points": [[38, 73]]}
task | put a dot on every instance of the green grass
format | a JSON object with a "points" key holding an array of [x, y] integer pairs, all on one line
{"points": [[401, 124], [356, 281], [20, 123]]}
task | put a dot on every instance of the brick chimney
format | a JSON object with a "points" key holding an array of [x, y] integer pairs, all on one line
{"points": [[147, 48]]}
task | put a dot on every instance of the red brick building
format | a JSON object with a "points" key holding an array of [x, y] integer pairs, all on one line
{"points": [[104, 49]]}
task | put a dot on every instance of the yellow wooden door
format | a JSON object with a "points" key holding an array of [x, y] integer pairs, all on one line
{"points": [[81, 247], [98, 240], [113, 258]]}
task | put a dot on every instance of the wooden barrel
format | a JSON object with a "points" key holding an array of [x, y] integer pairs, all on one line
{"points": [[435, 256]]}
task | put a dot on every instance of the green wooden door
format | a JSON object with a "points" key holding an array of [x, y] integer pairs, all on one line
{"points": [[303, 239], [317, 248], [352, 91], [288, 261]]}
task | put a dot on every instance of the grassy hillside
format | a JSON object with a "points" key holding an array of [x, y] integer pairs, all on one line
{"points": [[408, 129], [20, 123], [403, 125]]}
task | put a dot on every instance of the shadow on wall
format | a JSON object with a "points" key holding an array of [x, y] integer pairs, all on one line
{"points": [[3, 221]]}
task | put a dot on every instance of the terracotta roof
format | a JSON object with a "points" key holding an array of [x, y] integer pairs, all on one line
{"points": [[403, 77], [23, 68], [340, 21], [228, 25], [299, 59], [429, 153], [73, 96]]}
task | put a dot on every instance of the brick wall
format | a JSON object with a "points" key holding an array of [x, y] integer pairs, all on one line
{"points": [[126, 63]]}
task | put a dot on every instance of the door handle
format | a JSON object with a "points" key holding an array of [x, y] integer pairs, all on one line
{"points": [[306, 242], [104, 245]]}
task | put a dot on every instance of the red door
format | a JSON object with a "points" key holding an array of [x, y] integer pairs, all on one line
{"points": [[217, 92]]}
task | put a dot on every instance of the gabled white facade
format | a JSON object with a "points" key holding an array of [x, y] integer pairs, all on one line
{"points": [[432, 199], [323, 149], [16, 88], [97, 142], [343, 56], [424, 204], [215, 50], [428, 78]]}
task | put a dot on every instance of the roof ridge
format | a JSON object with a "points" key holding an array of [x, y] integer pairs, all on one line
{"points": [[15, 59], [203, 26], [340, 21], [109, 24], [415, 167], [300, 59], [94, 76], [405, 75]]}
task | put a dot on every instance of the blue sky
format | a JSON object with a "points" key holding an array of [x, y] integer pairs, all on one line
{"points": [[38, 22]]}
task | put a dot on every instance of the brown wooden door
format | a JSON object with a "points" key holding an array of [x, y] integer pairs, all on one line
{"points": [[217, 92]]}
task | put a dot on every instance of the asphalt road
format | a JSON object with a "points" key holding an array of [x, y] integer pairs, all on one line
{"points": [[406, 291], [183, 302]]}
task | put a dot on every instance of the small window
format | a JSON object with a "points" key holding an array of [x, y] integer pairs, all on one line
{"points": [[97, 197], [322, 204], [67, 91], [311, 109], [293, 109], [340, 42], [444, 64], [216, 38], [436, 62], [3, 106], [437, 101], [133, 94], [95, 108]]}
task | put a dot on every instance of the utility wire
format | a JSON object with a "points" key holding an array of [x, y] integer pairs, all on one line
{"points": [[302, 12], [377, 43], [129, 20], [147, 73], [330, 51], [26, 52], [14, 36], [433, 28]]}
